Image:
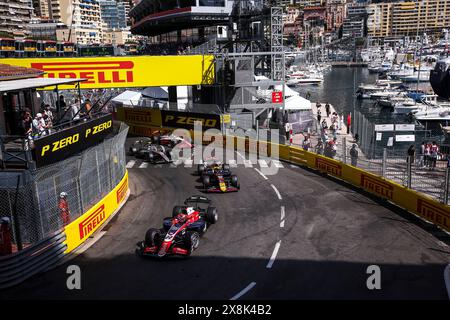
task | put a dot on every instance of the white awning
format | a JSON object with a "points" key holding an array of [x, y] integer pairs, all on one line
{"points": [[22, 84], [297, 103], [128, 98]]}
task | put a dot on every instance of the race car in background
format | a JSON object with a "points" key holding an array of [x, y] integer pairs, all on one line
{"points": [[217, 177], [169, 141], [181, 233]]}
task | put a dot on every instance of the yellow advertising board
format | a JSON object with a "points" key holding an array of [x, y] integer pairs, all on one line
{"points": [[144, 117], [126, 71], [84, 226]]}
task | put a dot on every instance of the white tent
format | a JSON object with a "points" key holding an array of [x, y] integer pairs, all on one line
{"points": [[288, 92], [128, 98], [297, 103]]}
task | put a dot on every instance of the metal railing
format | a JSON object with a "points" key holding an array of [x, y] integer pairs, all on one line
{"points": [[33, 203]]}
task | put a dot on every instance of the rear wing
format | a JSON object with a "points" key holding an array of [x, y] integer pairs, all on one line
{"points": [[197, 199]]}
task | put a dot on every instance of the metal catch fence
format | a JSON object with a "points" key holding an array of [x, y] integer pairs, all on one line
{"points": [[34, 206]]}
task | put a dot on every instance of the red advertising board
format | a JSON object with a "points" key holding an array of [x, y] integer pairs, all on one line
{"points": [[277, 97]]}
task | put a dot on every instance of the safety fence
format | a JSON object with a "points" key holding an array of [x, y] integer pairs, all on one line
{"points": [[42, 256], [42, 201], [45, 226], [369, 178]]}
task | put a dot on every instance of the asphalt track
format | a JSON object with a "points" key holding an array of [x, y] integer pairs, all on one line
{"points": [[330, 234]]}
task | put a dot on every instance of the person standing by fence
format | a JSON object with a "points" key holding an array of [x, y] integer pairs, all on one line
{"points": [[411, 153], [422, 154], [327, 109], [63, 206], [434, 150], [354, 155], [349, 122]]}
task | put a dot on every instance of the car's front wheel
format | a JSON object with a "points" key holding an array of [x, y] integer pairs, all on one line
{"points": [[152, 237], [211, 215], [191, 241]]}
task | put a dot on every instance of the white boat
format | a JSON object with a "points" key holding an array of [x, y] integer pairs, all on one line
{"points": [[404, 71], [384, 94], [433, 114]]}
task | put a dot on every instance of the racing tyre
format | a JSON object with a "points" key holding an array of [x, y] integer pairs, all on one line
{"points": [[200, 168], [191, 241], [206, 182], [177, 210], [152, 237], [150, 157], [156, 139], [234, 181], [211, 215]]}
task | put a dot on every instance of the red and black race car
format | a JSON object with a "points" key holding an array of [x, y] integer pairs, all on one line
{"points": [[181, 233], [217, 177]]}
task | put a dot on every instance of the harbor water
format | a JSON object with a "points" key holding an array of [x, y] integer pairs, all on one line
{"points": [[338, 89]]}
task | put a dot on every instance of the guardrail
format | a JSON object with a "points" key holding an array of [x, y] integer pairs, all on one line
{"points": [[421, 205], [40, 257]]}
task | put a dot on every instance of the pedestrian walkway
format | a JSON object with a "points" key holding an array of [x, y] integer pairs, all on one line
{"points": [[425, 180]]}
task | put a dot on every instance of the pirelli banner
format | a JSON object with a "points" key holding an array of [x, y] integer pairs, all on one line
{"points": [[84, 226], [186, 120], [151, 118], [417, 203], [127, 71], [65, 143]]}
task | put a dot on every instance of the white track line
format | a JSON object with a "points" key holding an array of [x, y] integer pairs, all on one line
{"points": [[188, 163], [277, 164], [130, 164], [240, 155], [447, 279], [248, 163], [282, 217], [263, 163], [276, 191], [274, 255], [244, 291], [143, 165], [262, 174], [232, 163]]}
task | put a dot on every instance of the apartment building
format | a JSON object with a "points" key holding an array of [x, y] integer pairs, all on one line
{"points": [[47, 9], [113, 13], [418, 17], [14, 17], [83, 19], [379, 20], [354, 24]]}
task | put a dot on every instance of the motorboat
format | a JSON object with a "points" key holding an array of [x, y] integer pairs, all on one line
{"points": [[439, 114], [384, 94]]}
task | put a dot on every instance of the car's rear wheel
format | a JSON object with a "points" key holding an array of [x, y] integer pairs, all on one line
{"points": [[200, 168], [234, 181], [206, 182], [152, 237], [211, 215], [191, 240], [177, 210]]}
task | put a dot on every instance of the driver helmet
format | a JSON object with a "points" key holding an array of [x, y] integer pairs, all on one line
{"points": [[63, 195], [190, 210]]}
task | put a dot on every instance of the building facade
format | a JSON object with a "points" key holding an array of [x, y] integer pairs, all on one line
{"points": [[14, 17], [113, 14], [379, 20], [83, 19]]}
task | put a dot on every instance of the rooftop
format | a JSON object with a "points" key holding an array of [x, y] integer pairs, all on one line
{"points": [[31, 83], [8, 72]]}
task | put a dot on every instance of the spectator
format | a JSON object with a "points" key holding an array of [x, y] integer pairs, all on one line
{"points": [[308, 95], [75, 110], [327, 109], [319, 115], [26, 125], [354, 155], [63, 206], [349, 122], [324, 124], [422, 154], [61, 104], [434, 154], [319, 147], [411, 153], [39, 127], [306, 143], [427, 154], [86, 109], [356, 138], [48, 117]]}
